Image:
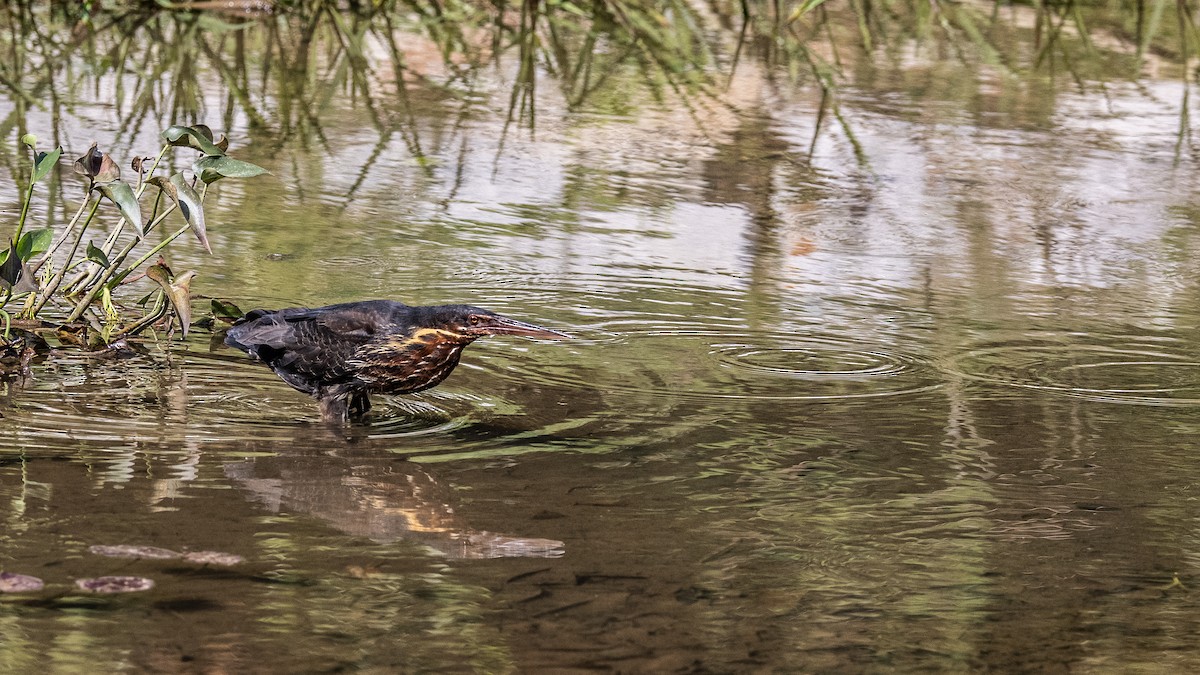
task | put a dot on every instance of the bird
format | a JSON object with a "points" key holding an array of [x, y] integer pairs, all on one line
{"points": [[340, 354]]}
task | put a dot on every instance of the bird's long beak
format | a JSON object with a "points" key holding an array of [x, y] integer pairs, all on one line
{"points": [[502, 325]]}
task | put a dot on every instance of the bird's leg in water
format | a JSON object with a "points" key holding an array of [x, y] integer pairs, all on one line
{"points": [[334, 409], [341, 407], [359, 404]]}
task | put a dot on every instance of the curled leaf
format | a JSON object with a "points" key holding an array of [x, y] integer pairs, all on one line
{"points": [[15, 273], [198, 137], [98, 166], [142, 165], [189, 203], [178, 292], [115, 584], [211, 168], [45, 162], [180, 295], [119, 193], [19, 583]]}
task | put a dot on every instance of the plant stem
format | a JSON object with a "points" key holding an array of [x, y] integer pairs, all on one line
{"points": [[159, 311], [87, 278], [161, 246], [90, 296], [58, 276], [28, 201], [66, 234]]}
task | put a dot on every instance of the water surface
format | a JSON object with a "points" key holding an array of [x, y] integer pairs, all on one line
{"points": [[909, 385]]}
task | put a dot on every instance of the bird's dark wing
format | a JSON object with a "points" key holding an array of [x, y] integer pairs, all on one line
{"points": [[308, 348]]}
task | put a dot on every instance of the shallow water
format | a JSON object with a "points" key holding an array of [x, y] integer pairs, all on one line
{"points": [[921, 394]]}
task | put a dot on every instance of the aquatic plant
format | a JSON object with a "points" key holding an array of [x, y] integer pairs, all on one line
{"points": [[70, 277]]}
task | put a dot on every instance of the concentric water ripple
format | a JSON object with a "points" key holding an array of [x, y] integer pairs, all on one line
{"points": [[1135, 373], [725, 364]]}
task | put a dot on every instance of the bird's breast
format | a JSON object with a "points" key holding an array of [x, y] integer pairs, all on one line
{"points": [[404, 364]]}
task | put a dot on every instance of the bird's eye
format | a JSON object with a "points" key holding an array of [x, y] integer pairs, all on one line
{"points": [[475, 319]]}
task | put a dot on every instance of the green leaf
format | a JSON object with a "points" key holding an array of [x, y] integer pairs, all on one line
{"points": [[29, 139], [34, 242], [192, 137], [189, 203], [45, 162], [121, 194], [226, 310], [97, 255], [212, 168]]}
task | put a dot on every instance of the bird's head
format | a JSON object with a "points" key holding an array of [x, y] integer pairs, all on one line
{"points": [[472, 323]]}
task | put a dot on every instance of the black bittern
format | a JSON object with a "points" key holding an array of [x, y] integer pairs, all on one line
{"points": [[341, 353]]}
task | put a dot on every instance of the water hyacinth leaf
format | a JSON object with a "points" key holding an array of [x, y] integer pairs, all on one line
{"points": [[45, 162], [97, 255], [213, 558], [99, 166], [115, 584], [192, 137], [129, 551], [211, 168], [19, 583], [29, 139], [121, 194], [34, 242]]}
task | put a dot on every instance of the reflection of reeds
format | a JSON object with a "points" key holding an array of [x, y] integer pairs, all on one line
{"points": [[280, 72]]}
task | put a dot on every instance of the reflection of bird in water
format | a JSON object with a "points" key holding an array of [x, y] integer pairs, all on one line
{"points": [[341, 353], [380, 499]]}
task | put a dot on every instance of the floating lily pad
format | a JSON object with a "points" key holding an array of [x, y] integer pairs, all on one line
{"points": [[123, 551], [213, 558], [115, 584], [19, 583]]}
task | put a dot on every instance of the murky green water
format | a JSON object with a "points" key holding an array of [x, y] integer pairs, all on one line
{"points": [[910, 387]]}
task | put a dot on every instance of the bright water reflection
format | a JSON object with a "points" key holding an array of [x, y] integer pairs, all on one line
{"points": [[918, 392]]}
